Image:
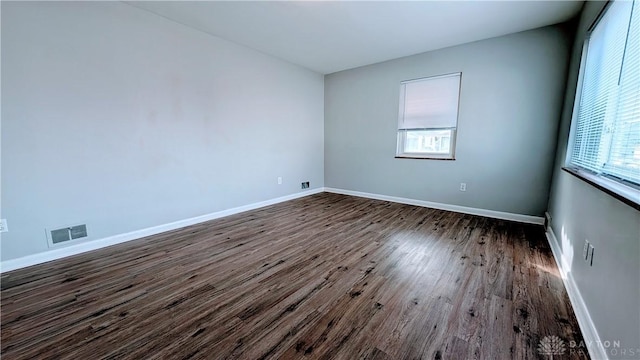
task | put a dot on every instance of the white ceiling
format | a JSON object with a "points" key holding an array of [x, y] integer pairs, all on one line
{"points": [[329, 36]]}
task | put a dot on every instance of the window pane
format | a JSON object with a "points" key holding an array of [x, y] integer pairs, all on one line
{"points": [[624, 153], [598, 100], [428, 141], [428, 117], [607, 131]]}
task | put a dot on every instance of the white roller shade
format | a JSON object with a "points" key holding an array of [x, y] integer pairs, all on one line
{"points": [[430, 103]]}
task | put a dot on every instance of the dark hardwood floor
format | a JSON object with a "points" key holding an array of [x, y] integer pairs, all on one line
{"points": [[326, 276]]}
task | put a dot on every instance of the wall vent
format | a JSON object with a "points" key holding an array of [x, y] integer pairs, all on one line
{"points": [[68, 233], [60, 235], [305, 185]]}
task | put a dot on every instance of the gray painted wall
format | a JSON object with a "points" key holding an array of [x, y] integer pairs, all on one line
{"points": [[124, 120], [510, 101], [611, 287]]}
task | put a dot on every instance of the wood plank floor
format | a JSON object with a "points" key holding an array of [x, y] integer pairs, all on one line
{"points": [[322, 277]]}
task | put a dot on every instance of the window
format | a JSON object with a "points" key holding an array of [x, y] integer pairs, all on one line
{"points": [[428, 117], [605, 139]]}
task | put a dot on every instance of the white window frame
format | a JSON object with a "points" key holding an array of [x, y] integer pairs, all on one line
{"points": [[624, 189], [401, 141]]}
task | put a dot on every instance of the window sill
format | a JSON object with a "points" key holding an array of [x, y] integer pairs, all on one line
{"points": [[624, 193], [422, 157]]}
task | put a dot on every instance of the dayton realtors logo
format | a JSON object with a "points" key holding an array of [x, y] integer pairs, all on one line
{"points": [[551, 345]]}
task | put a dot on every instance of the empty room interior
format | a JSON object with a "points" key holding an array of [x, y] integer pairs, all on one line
{"points": [[320, 180]]}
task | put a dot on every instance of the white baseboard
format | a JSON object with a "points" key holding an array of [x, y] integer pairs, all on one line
{"points": [[75, 249], [79, 248], [587, 327], [455, 208]]}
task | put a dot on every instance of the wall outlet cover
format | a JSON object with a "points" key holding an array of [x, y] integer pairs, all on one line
{"points": [[585, 250], [3, 225]]}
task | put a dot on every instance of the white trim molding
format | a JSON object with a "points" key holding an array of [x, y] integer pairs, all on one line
{"points": [[587, 327], [80, 248], [434, 205]]}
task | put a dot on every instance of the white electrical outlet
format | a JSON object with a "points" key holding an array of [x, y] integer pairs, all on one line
{"points": [[585, 250], [279, 180], [3, 225], [463, 186]]}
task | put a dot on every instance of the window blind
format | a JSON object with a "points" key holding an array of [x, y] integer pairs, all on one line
{"points": [[430, 103], [607, 133]]}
